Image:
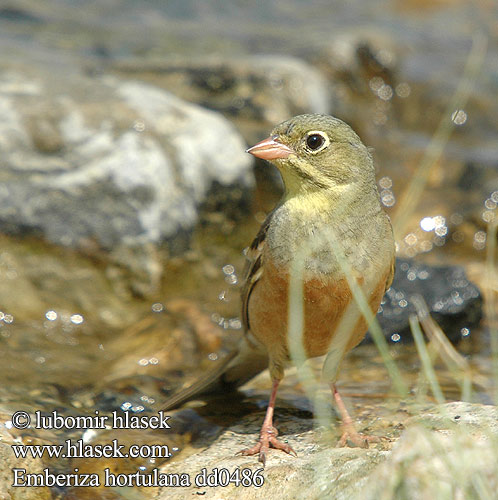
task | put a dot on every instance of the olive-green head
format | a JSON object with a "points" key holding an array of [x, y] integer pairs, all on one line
{"points": [[316, 152]]}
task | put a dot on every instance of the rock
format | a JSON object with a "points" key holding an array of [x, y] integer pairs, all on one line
{"points": [[415, 464], [129, 165], [256, 92], [453, 301], [319, 469], [457, 459], [355, 56], [112, 168], [8, 461]]}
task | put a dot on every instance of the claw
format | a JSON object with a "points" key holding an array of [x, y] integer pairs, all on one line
{"points": [[268, 439], [357, 439], [349, 434]]}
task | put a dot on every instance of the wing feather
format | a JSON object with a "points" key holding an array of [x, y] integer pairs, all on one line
{"points": [[254, 268]]}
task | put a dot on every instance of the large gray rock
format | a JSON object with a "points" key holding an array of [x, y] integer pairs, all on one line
{"points": [[108, 161]]}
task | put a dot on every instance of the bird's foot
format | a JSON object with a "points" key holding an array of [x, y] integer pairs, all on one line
{"points": [[351, 437], [268, 439]]}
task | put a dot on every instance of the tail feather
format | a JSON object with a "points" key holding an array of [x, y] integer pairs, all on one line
{"points": [[236, 369]]}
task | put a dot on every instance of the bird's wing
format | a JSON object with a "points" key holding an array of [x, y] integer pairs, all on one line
{"points": [[254, 268]]}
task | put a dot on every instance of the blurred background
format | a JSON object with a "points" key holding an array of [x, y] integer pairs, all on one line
{"points": [[126, 197]]}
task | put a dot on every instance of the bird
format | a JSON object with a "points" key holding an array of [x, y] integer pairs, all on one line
{"points": [[329, 230]]}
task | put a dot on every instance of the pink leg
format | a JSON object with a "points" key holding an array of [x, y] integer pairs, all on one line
{"points": [[268, 434], [349, 433]]}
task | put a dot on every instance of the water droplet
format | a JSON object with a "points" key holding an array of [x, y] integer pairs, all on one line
{"points": [[423, 275], [439, 241], [479, 242], [411, 239], [427, 223], [441, 230], [459, 117], [376, 83], [231, 279], [439, 221], [157, 307], [488, 215], [490, 204], [426, 246], [387, 198], [385, 93], [235, 324], [385, 182], [228, 269], [77, 319], [403, 90], [51, 315], [438, 306]]}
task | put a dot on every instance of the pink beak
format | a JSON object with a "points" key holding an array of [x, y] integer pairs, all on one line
{"points": [[270, 149]]}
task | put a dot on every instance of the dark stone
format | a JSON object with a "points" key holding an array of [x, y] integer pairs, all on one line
{"points": [[453, 301]]}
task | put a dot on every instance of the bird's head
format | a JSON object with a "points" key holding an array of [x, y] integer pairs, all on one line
{"points": [[316, 152]]}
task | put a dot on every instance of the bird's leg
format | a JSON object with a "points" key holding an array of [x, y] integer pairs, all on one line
{"points": [[268, 435], [349, 433]]}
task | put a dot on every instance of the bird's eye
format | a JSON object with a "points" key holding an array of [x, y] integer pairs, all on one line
{"points": [[315, 141]]}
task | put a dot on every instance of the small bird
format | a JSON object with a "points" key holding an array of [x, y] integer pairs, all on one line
{"points": [[329, 222]]}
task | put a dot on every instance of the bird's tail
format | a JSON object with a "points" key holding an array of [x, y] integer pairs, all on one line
{"points": [[234, 370]]}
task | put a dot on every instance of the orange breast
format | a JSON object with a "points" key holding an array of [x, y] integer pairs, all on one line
{"points": [[324, 304]]}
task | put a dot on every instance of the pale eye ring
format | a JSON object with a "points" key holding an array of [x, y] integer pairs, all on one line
{"points": [[315, 141]]}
